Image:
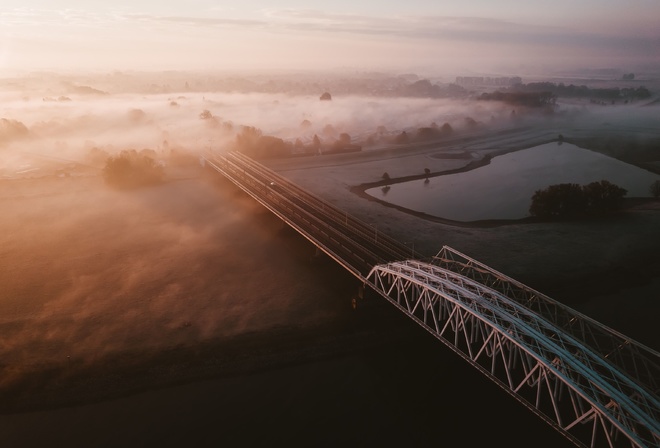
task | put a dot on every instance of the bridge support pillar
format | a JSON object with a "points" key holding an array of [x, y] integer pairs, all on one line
{"points": [[359, 297]]}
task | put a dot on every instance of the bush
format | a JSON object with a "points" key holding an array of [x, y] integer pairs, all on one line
{"points": [[251, 142], [603, 196], [654, 189], [572, 200], [131, 169], [561, 200], [401, 138]]}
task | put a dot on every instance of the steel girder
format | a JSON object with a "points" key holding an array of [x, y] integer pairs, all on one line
{"points": [[568, 383], [641, 363]]}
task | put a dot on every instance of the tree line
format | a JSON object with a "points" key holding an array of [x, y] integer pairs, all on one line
{"points": [[582, 91]]}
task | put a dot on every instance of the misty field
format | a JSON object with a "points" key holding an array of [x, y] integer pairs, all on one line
{"points": [[108, 293], [89, 272], [127, 316]]}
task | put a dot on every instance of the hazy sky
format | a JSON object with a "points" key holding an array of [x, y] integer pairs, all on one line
{"points": [[504, 36]]}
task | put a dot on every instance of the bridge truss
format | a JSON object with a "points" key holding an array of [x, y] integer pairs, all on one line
{"points": [[591, 383], [594, 385]]}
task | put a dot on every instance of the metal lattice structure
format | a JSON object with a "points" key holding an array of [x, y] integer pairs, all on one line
{"points": [[594, 385], [591, 383]]}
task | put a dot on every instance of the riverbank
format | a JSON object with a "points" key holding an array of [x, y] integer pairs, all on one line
{"points": [[574, 262]]}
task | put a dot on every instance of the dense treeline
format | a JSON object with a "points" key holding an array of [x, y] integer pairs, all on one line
{"points": [[543, 99], [544, 94], [573, 200], [573, 91], [424, 88]]}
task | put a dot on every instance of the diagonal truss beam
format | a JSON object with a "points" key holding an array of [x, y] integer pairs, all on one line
{"points": [[568, 383], [594, 385]]}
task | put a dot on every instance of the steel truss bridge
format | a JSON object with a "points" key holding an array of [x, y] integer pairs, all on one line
{"points": [[594, 385]]}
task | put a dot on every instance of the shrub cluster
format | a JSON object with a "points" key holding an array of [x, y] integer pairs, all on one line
{"points": [[130, 169], [251, 142], [574, 200]]}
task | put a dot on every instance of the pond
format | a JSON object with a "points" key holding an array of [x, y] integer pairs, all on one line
{"points": [[504, 188]]}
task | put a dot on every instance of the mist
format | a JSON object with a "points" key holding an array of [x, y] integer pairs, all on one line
{"points": [[58, 121], [88, 271]]}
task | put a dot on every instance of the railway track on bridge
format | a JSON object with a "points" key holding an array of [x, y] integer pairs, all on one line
{"points": [[594, 385], [355, 244]]}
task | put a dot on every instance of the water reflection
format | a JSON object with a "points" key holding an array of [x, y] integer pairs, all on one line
{"points": [[503, 189]]}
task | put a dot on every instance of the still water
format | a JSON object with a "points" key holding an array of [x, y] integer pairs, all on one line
{"points": [[504, 188]]}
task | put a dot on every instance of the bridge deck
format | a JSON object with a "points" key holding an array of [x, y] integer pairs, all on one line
{"points": [[356, 245], [521, 339]]}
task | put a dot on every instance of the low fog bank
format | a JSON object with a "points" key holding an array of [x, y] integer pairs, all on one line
{"points": [[87, 271], [47, 119], [87, 129]]}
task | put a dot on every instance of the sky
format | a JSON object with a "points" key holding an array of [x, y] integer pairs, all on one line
{"points": [[459, 37]]}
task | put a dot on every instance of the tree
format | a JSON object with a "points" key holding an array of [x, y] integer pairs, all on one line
{"points": [[446, 129], [402, 138], [269, 146], [12, 129], [206, 115], [250, 141], [246, 139], [654, 189], [316, 143], [470, 122], [603, 196], [136, 115], [426, 133], [325, 97], [558, 201], [573, 200], [130, 169], [329, 131]]}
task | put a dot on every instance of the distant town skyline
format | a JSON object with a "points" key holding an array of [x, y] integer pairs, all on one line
{"points": [[507, 37]]}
